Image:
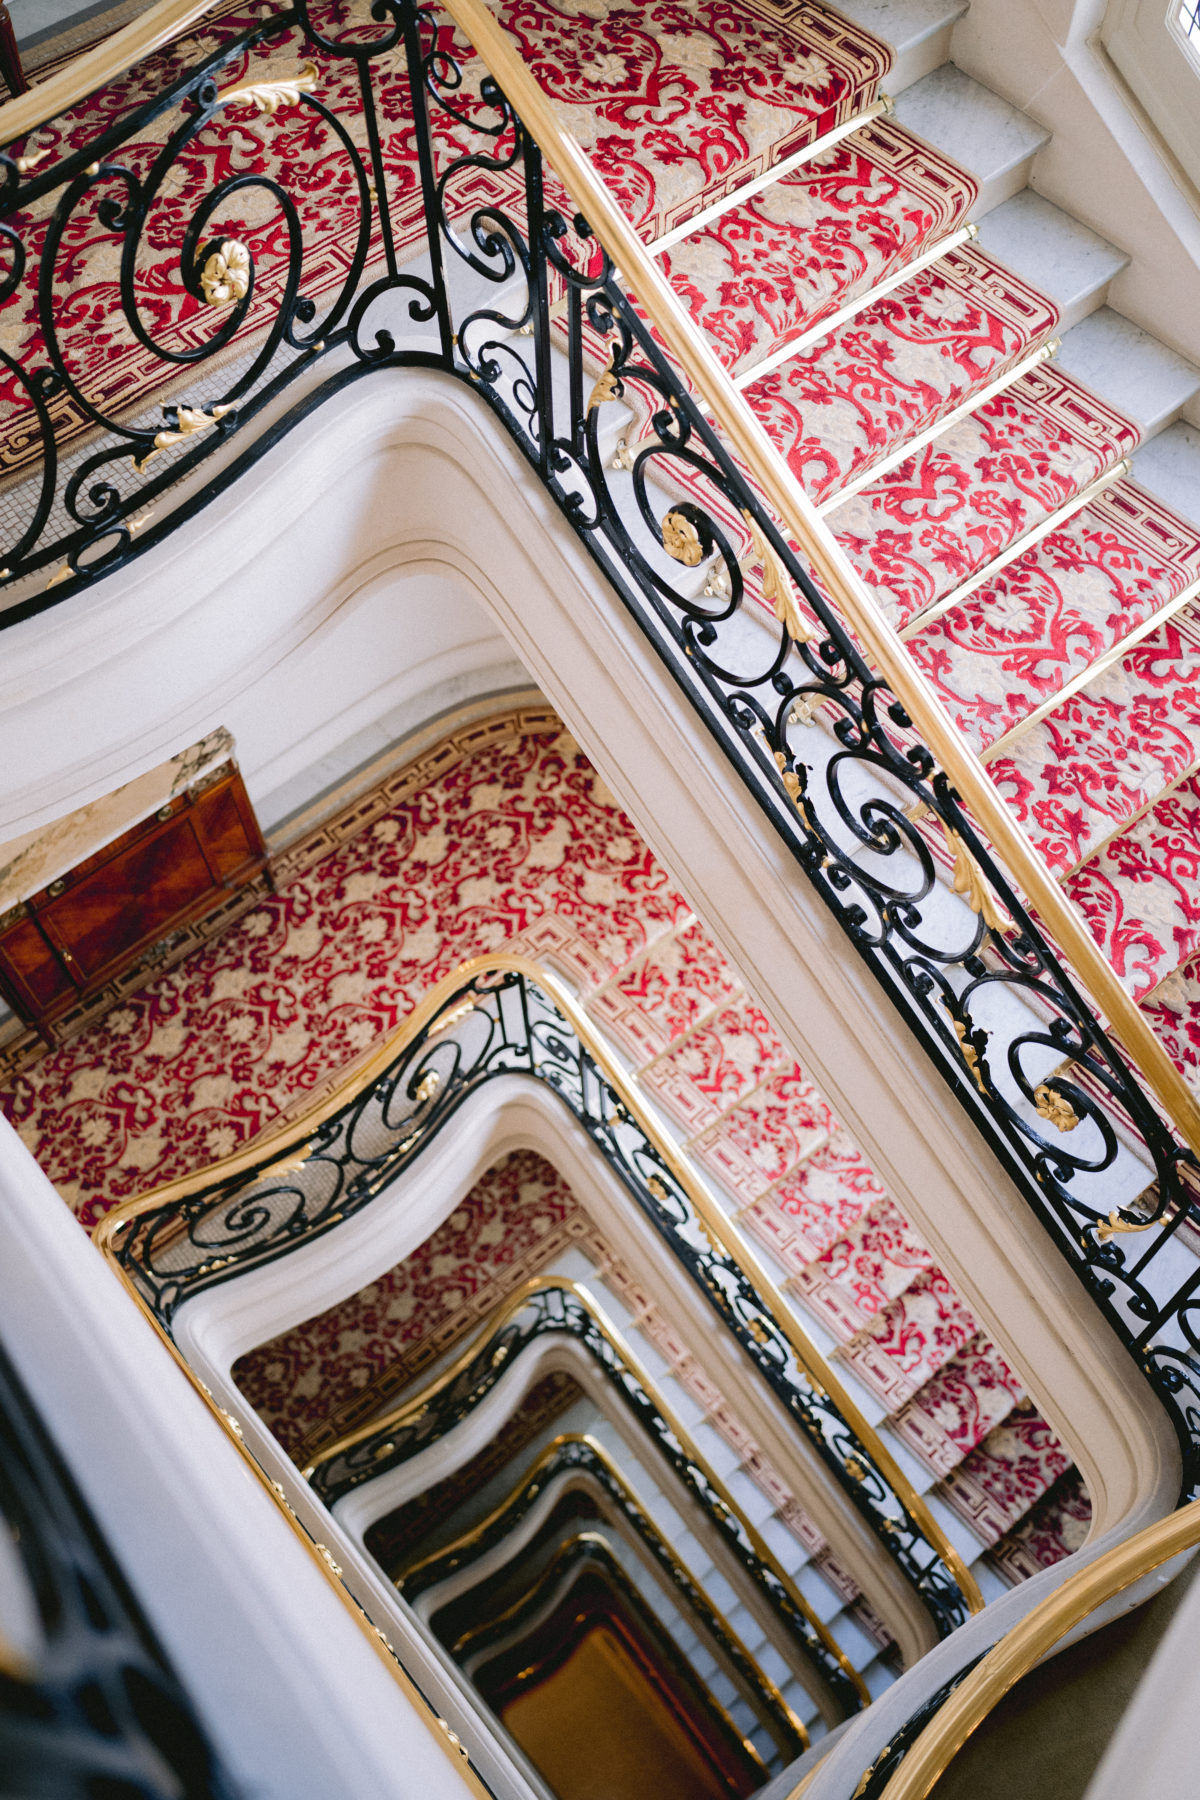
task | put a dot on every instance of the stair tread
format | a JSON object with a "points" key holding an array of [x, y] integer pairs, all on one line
{"points": [[1169, 465], [813, 1205], [911, 358], [1045, 245], [1055, 1527], [910, 1339], [1094, 763], [766, 1135], [957, 1407], [1141, 892], [1129, 367], [665, 992], [856, 1277], [959, 115], [1005, 1475], [822, 235], [1174, 1011], [933, 523], [703, 1076], [1056, 611]]}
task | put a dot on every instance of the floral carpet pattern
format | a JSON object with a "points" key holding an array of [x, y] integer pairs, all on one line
{"points": [[504, 837]]}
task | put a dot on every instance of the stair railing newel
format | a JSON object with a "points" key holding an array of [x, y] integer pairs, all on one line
{"points": [[500, 1017]]}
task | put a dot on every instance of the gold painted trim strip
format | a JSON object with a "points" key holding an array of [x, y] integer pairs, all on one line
{"points": [[767, 1689], [1024, 1647], [826, 327], [1092, 673], [914, 445], [1027, 541], [778, 172], [832, 569], [448, 1740], [140, 38], [723, 1228], [536, 1284]]}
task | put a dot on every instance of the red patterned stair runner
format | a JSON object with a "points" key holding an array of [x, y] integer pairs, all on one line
{"points": [[504, 837]]}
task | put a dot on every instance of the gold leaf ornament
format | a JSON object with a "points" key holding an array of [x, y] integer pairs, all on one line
{"points": [[1055, 1108], [971, 882], [607, 388], [268, 96], [777, 586], [1115, 1225], [225, 277], [188, 421], [793, 786], [681, 540], [970, 1054]]}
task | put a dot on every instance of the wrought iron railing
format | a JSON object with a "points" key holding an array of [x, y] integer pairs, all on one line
{"points": [[88, 1705], [545, 1308], [811, 696], [564, 1461], [497, 1017]]}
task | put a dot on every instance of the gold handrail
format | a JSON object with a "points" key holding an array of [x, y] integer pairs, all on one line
{"points": [[721, 1228], [1023, 1648], [81, 77], [833, 568], [541, 1284], [794, 510]]}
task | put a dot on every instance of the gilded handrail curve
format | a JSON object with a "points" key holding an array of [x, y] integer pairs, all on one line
{"points": [[1025, 1646]]}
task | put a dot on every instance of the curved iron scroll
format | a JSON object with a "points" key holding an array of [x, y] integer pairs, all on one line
{"points": [[550, 1308], [493, 1020], [95, 1709]]}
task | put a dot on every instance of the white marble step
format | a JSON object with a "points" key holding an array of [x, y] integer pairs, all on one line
{"points": [[918, 32], [1169, 465], [1129, 368], [983, 133], [1037, 240]]}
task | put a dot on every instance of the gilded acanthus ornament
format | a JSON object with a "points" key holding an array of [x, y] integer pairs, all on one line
{"points": [[428, 1086], [225, 276], [682, 540], [607, 388], [971, 882], [970, 1054], [188, 421], [1055, 1108], [269, 96], [777, 585]]}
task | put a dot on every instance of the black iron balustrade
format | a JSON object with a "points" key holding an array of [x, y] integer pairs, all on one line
{"points": [[790, 698], [93, 1708], [553, 1310], [497, 1021], [580, 1455]]}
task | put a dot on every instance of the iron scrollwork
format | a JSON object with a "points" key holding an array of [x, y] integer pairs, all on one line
{"points": [[492, 1024]]}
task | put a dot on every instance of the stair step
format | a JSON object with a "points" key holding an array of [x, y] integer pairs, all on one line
{"points": [[993, 141], [910, 1339], [819, 237], [1130, 369], [767, 1135], [858, 1275], [1004, 1476], [1169, 465], [665, 992], [938, 520], [1054, 1528], [1141, 893], [916, 31], [1018, 641], [846, 404], [1174, 1011], [1045, 245], [1088, 768], [705, 1074], [969, 1395]]}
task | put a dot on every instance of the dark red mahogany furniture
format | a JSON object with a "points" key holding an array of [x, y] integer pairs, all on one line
{"points": [[62, 944]]}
